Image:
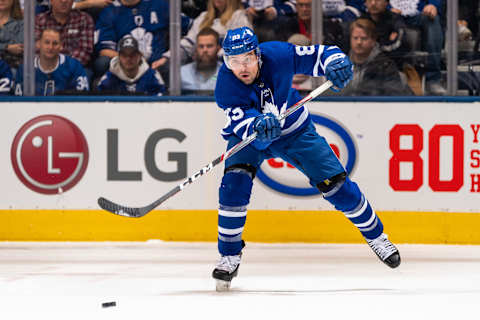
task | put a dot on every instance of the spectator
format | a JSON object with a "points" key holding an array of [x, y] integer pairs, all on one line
{"points": [[6, 79], [374, 74], [303, 21], [130, 73], [146, 20], [55, 73], [301, 81], [201, 74], [11, 33], [390, 30], [337, 16], [267, 17], [75, 28], [424, 15], [221, 15]]}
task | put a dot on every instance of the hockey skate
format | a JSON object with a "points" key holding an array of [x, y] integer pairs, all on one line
{"points": [[385, 250], [225, 270]]}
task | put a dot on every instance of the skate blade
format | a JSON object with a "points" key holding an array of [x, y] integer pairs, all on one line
{"points": [[222, 285]]}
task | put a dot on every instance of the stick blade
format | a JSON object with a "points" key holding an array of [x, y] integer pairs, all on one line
{"points": [[117, 209]]}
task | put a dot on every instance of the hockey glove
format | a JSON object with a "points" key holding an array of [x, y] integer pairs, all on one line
{"points": [[340, 72], [267, 128]]}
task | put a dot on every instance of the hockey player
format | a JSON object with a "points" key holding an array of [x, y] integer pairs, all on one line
{"points": [[129, 72], [253, 88], [54, 72]]}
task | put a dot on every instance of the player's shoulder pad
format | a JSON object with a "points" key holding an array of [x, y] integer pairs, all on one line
{"points": [[231, 92]]}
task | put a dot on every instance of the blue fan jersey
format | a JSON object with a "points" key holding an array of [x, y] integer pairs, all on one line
{"points": [[69, 75], [6, 79], [147, 22], [272, 91], [150, 83]]}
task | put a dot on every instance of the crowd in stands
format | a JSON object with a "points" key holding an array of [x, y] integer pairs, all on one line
{"points": [[120, 47]]}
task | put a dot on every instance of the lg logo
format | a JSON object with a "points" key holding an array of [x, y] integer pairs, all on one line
{"points": [[49, 154]]}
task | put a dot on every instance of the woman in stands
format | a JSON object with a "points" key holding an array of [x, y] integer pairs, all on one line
{"points": [[11, 32]]}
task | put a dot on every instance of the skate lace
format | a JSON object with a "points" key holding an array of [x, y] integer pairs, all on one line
{"points": [[228, 263], [382, 246]]}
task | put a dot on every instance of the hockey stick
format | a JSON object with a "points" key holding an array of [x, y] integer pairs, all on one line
{"points": [[141, 211]]}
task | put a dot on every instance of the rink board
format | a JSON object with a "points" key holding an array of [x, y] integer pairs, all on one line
{"points": [[417, 163], [262, 226]]}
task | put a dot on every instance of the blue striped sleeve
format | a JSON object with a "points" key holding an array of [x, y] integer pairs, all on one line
{"points": [[312, 60]]}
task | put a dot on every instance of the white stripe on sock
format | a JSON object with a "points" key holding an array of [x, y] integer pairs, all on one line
{"points": [[232, 214], [359, 212], [369, 222], [230, 231]]}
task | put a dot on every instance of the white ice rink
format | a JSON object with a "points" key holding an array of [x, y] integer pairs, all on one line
{"points": [[164, 280]]}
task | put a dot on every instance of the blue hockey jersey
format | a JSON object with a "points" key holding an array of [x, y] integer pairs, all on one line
{"points": [[147, 81], [69, 76], [6, 79], [147, 22], [272, 91]]}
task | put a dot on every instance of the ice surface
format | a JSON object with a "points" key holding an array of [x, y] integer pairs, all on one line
{"points": [[171, 280]]}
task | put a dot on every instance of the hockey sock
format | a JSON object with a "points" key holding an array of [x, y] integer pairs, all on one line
{"points": [[348, 198], [234, 196]]}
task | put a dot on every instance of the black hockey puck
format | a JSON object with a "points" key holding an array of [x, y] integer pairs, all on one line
{"points": [[109, 304]]}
